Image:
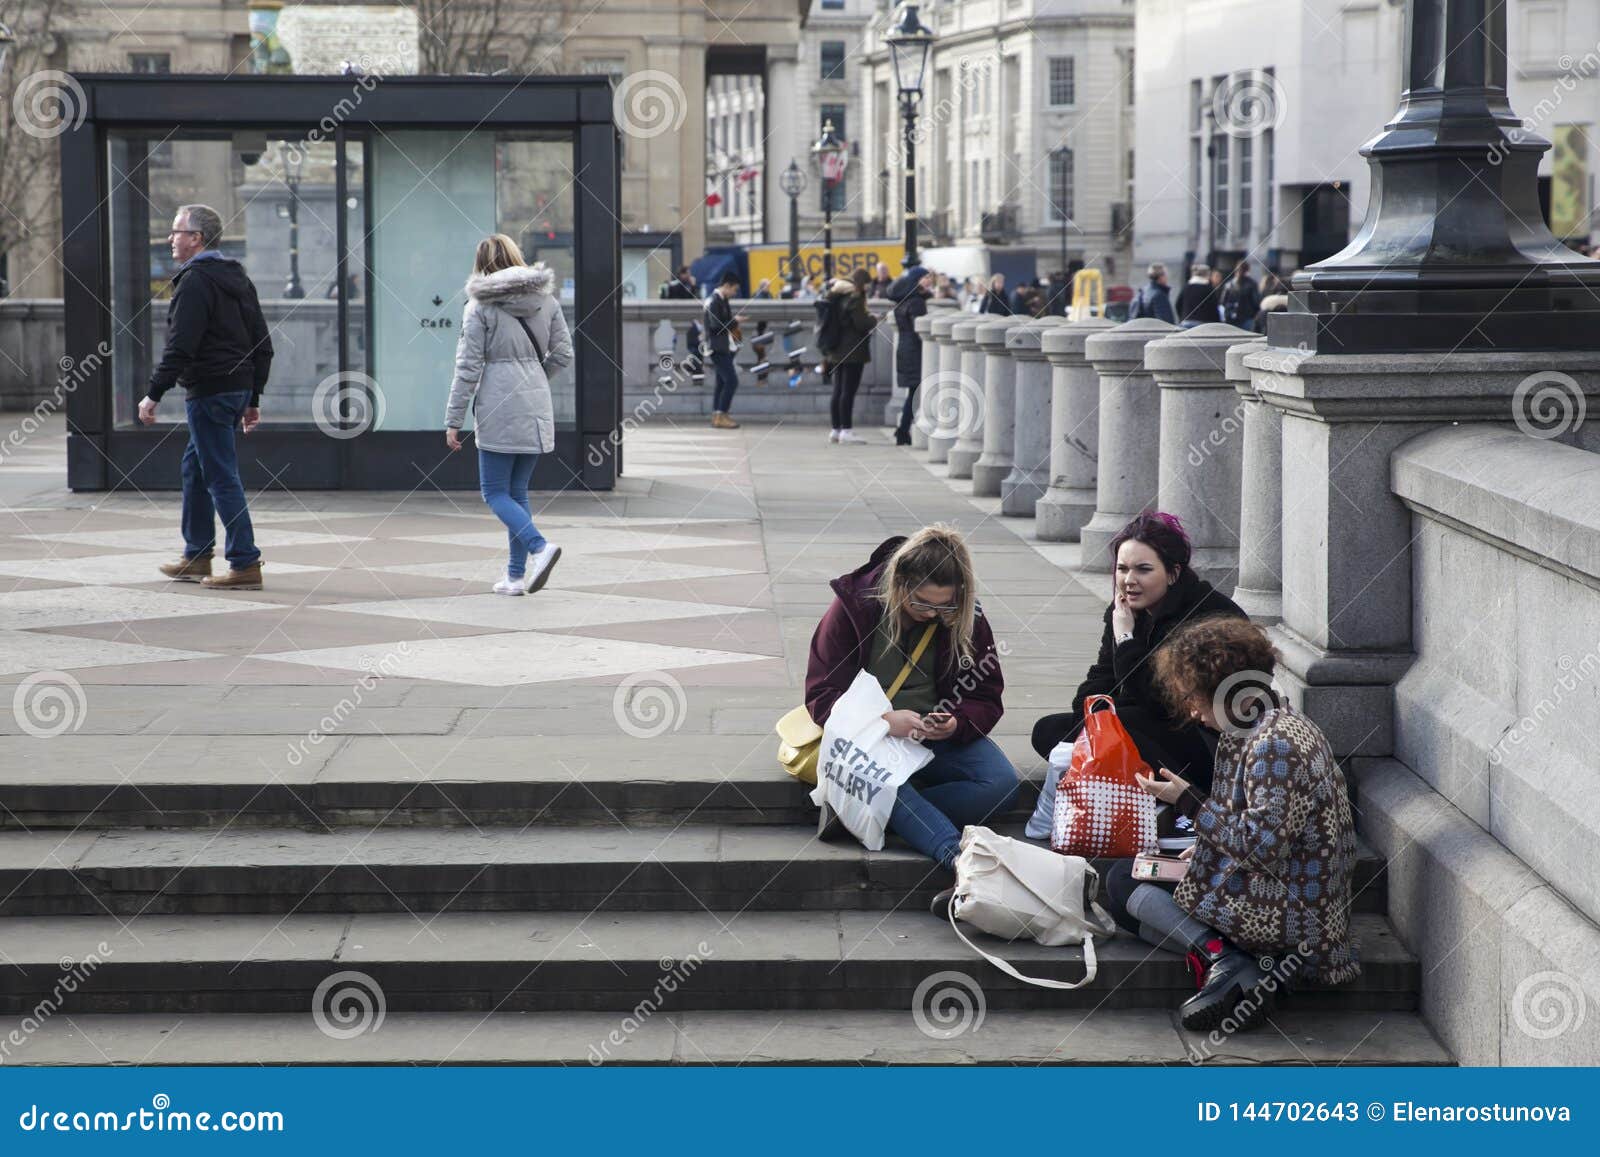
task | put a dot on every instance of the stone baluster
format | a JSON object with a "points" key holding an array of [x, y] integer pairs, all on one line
{"points": [[1026, 481], [969, 394], [944, 402], [1068, 503], [924, 424], [1260, 590], [1202, 443], [999, 403], [1129, 456]]}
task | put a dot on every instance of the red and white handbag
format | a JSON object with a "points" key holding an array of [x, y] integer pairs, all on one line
{"points": [[1100, 808]]}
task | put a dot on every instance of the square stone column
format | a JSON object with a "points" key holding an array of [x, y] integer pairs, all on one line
{"points": [[1260, 589], [944, 400], [1346, 632], [999, 406], [1130, 434], [1068, 502], [1202, 444], [1022, 488], [968, 390]]}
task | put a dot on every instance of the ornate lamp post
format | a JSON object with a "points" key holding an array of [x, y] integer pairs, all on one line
{"points": [[909, 43], [793, 182], [1454, 254], [293, 168], [831, 155]]}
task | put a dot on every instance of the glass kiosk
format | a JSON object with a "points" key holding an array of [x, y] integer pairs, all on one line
{"points": [[355, 205]]}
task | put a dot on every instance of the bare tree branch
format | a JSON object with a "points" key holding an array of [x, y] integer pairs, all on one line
{"points": [[29, 148], [464, 36]]}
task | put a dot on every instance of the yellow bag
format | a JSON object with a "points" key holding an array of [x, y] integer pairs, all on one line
{"points": [[799, 737]]}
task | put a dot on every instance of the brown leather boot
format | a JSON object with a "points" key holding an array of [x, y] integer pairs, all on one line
{"points": [[239, 578], [188, 570], [728, 423]]}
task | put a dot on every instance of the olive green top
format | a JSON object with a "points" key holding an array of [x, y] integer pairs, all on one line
{"points": [[919, 692]]}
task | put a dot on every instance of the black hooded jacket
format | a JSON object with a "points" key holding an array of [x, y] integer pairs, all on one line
{"points": [[217, 340]]}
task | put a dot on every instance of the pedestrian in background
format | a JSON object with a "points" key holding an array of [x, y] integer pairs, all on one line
{"points": [[849, 357], [720, 320], [513, 335], [881, 279], [994, 301], [1154, 297], [910, 293], [1197, 300], [1241, 299], [218, 350]]}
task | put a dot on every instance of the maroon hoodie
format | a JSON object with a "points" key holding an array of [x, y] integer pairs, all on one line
{"points": [[842, 647]]}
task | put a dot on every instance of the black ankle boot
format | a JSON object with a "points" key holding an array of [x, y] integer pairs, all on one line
{"points": [[1230, 989]]}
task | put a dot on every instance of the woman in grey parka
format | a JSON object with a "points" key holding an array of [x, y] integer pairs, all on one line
{"points": [[512, 335]]}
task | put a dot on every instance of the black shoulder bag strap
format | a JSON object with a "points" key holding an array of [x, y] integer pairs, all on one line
{"points": [[528, 329]]}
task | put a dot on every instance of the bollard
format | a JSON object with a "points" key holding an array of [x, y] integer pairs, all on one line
{"points": [[923, 426], [999, 405], [943, 404], [1260, 590], [1129, 453], [1029, 476], [969, 420], [1202, 443], [1068, 502]]}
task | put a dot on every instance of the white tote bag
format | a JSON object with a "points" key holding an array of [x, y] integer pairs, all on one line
{"points": [[1012, 889], [861, 766]]}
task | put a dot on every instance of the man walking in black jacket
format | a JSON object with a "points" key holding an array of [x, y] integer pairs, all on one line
{"points": [[720, 324], [218, 350]]}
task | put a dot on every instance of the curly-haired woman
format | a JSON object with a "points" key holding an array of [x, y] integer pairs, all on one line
{"points": [[1275, 845]]}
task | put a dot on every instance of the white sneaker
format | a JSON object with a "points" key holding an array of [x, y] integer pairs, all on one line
{"points": [[833, 435], [540, 566], [849, 437], [509, 586]]}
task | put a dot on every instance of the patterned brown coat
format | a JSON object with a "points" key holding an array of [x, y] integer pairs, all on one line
{"points": [[1276, 847]]}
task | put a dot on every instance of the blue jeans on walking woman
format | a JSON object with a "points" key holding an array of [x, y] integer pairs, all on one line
{"points": [[966, 783], [503, 480]]}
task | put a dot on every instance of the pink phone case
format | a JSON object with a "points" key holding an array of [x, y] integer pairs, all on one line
{"points": [[1159, 869]]}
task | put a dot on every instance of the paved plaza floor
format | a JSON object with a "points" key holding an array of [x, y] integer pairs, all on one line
{"points": [[374, 763]]}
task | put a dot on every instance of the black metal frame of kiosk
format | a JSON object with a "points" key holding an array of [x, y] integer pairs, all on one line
{"points": [[103, 454]]}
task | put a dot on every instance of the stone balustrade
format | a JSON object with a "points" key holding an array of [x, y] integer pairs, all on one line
{"points": [[1029, 475], [968, 391], [999, 406], [944, 399]]}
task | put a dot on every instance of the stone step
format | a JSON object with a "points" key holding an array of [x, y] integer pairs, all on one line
{"points": [[750, 1037], [266, 870], [607, 961]]}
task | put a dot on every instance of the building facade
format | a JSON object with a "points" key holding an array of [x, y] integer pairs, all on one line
{"points": [[1025, 131], [1252, 115]]}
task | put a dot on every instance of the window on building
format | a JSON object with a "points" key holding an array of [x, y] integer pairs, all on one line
{"points": [[1127, 96], [1196, 106], [1130, 176], [1269, 181], [988, 188], [1247, 187], [840, 192], [1063, 82], [1195, 172], [833, 60], [150, 62], [833, 5], [1222, 205], [1061, 192]]}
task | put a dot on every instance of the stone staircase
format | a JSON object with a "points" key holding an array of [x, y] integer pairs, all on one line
{"points": [[533, 918]]}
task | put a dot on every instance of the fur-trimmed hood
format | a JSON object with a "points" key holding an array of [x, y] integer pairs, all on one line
{"points": [[517, 289]]}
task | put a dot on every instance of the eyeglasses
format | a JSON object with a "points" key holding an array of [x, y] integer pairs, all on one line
{"points": [[171, 233], [936, 608]]}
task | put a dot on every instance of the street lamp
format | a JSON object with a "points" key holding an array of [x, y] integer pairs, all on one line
{"points": [[293, 167], [831, 155], [909, 43], [793, 182]]}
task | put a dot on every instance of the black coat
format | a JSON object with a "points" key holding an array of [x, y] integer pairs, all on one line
{"points": [[1124, 672], [217, 341], [1241, 301], [910, 303], [855, 338], [1197, 301], [994, 302], [719, 324]]}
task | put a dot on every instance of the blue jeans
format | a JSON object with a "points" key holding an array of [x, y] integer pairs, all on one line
{"points": [[727, 383], [503, 480], [211, 483], [966, 783]]}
